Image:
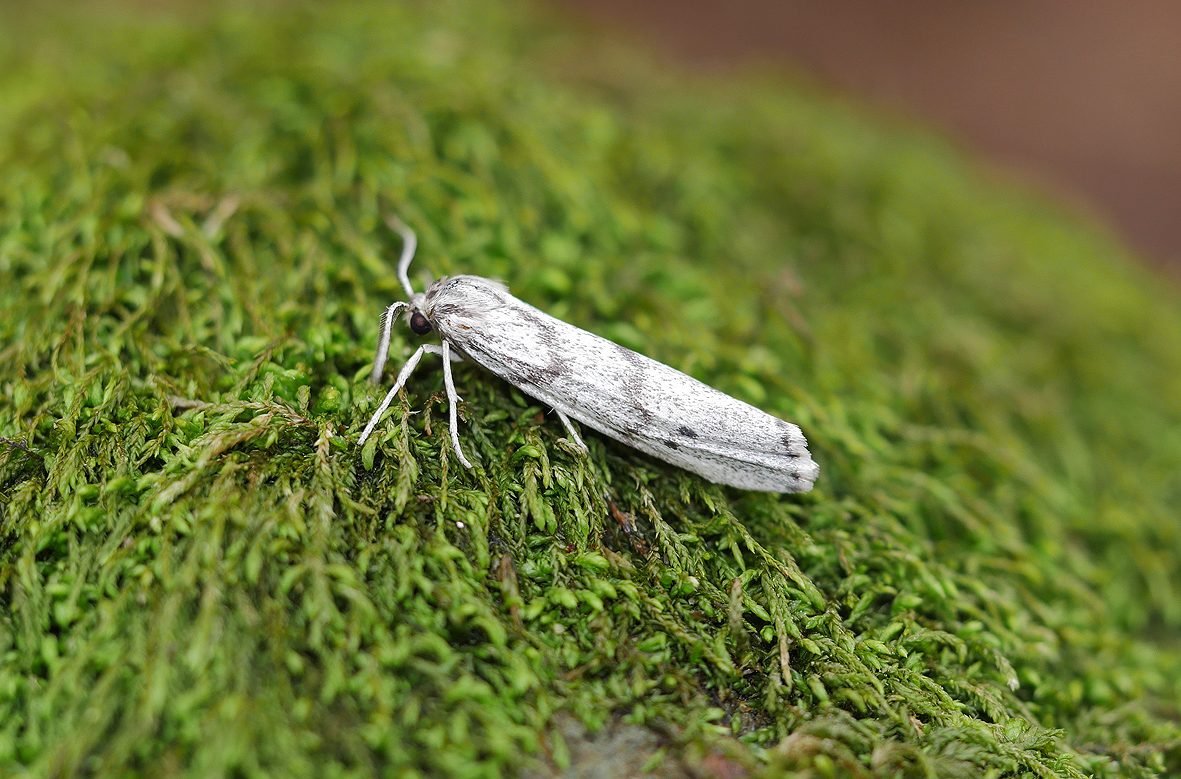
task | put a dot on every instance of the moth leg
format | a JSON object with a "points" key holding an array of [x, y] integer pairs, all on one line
{"points": [[452, 396], [383, 341], [403, 375], [570, 429], [452, 403]]}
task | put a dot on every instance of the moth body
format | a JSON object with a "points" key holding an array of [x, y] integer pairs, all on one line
{"points": [[620, 393]]}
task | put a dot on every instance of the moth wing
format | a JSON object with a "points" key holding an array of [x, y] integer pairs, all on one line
{"points": [[625, 395], [715, 435]]}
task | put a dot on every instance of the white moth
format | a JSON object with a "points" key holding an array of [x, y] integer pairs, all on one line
{"points": [[627, 396]]}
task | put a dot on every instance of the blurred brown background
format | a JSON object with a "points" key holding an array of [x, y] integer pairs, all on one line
{"points": [[1081, 96]]}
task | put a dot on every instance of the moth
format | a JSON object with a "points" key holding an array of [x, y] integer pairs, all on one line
{"points": [[620, 393]]}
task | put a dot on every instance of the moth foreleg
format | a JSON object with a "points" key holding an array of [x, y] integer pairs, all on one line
{"points": [[577, 439], [452, 396], [403, 375], [452, 403]]}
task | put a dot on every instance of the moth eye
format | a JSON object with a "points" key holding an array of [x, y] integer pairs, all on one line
{"points": [[419, 324]]}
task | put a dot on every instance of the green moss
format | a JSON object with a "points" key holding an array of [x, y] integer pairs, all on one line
{"points": [[202, 575]]}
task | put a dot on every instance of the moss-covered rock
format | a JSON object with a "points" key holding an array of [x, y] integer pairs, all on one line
{"points": [[202, 575]]}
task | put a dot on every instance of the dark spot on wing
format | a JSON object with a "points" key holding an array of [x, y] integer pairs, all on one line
{"points": [[688, 432], [641, 410], [633, 383], [630, 356], [559, 365], [548, 347], [630, 431], [547, 372], [544, 374], [545, 331], [790, 445], [672, 444]]}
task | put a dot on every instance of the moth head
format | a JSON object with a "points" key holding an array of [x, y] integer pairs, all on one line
{"points": [[419, 323]]}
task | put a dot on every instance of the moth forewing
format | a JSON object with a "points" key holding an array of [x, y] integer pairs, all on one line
{"points": [[622, 394]]}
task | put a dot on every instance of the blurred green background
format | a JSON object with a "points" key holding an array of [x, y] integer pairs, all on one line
{"points": [[202, 575]]}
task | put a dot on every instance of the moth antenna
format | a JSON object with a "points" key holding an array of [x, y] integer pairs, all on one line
{"points": [[409, 244]]}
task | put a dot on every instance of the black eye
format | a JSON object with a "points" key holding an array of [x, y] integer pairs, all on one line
{"points": [[419, 324]]}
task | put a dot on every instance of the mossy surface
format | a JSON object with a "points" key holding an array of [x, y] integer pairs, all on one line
{"points": [[202, 575]]}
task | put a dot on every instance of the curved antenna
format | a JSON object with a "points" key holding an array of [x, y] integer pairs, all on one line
{"points": [[409, 244]]}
